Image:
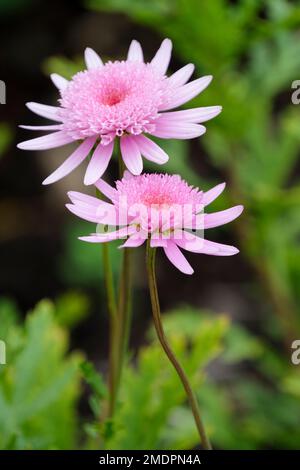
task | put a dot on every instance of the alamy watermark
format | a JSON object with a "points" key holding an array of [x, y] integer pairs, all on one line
{"points": [[180, 222], [295, 357], [2, 352], [296, 94], [2, 92]]}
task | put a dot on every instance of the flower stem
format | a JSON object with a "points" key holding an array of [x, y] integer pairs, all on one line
{"points": [[112, 310], [124, 310], [119, 318], [150, 260]]}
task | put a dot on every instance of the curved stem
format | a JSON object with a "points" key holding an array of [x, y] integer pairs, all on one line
{"points": [[166, 347]]}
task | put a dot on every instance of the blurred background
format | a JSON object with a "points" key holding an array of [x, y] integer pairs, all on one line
{"points": [[233, 322]]}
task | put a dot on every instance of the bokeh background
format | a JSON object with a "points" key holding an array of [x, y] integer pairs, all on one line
{"points": [[233, 322]]}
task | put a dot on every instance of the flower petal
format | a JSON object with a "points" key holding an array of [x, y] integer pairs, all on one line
{"points": [[135, 240], [190, 242], [49, 141], [158, 242], [162, 57], [99, 162], [49, 112], [131, 155], [60, 82], [72, 161], [106, 189], [195, 244], [151, 150], [212, 194], [127, 175], [90, 216], [77, 197], [196, 115], [182, 75], [220, 249], [135, 52], [216, 219], [54, 127], [105, 214], [92, 59], [187, 92], [109, 236], [174, 254], [174, 130]]}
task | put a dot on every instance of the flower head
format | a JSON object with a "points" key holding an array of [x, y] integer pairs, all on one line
{"points": [[160, 207], [123, 99]]}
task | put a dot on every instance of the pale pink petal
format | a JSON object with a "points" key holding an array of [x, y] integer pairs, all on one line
{"points": [[174, 130], [162, 57], [106, 189], [131, 155], [196, 115], [99, 162], [212, 194], [92, 59], [77, 197], [205, 247], [151, 150], [54, 127], [91, 203], [187, 92], [49, 141], [134, 241], [101, 214], [192, 243], [222, 217], [192, 221], [49, 112], [182, 75], [109, 236], [72, 162], [127, 175], [135, 52], [174, 254], [60, 82], [158, 242], [218, 249], [90, 216]]}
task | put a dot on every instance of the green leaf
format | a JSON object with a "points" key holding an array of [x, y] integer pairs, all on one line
{"points": [[39, 385]]}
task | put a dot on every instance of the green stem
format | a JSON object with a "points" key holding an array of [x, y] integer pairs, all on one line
{"points": [[166, 347], [109, 282], [119, 318], [112, 309], [124, 310]]}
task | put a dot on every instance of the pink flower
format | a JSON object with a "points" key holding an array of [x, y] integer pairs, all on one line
{"points": [[122, 99], [161, 207]]}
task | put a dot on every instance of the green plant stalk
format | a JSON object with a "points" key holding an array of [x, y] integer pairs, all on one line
{"points": [[124, 301], [112, 310], [150, 261], [120, 316]]}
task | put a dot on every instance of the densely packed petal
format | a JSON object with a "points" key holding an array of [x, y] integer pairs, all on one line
{"points": [[128, 100], [159, 207]]}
